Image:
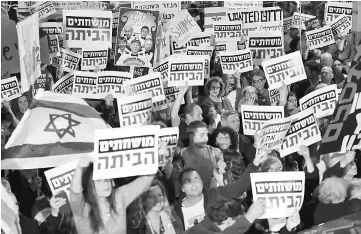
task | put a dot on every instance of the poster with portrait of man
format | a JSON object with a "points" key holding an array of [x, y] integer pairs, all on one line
{"points": [[137, 30]]}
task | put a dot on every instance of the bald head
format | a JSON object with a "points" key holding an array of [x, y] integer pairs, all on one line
{"points": [[326, 59]]}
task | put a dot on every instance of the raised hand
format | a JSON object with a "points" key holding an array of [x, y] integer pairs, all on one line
{"points": [[55, 204], [109, 100], [85, 161], [304, 151], [256, 210]]}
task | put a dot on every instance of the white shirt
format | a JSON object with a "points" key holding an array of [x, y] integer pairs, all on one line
{"points": [[192, 213]]}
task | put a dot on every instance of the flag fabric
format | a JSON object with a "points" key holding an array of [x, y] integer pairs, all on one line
{"points": [[10, 222], [56, 129]]}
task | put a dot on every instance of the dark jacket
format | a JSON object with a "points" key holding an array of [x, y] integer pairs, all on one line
{"points": [[212, 195]]}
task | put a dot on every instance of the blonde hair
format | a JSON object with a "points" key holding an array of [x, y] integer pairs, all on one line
{"points": [[332, 190]]}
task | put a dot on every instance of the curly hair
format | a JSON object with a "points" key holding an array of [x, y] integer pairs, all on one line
{"points": [[215, 79], [139, 218], [332, 190], [224, 130]]}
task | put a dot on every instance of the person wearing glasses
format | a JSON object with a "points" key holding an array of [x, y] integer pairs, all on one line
{"points": [[215, 89], [291, 107], [258, 80]]}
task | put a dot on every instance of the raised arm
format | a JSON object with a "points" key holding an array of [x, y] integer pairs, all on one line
{"points": [[176, 105]]}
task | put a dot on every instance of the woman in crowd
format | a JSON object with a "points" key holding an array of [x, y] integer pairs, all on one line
{"points": [[20, 105], [214, 90], [223, 138], [291, 107], [210, 116]]}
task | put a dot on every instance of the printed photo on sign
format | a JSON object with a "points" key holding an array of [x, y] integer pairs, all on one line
{"points": [[64, 85], [303, 131], [135, 110], [283, 192], [151, 83], [319, 38], [206, 52], [10, 89], [322, 101], [273, 132], [236, 61], [44, 9], [186, 68], [94, 58], [255, 116], [136, 37], [112, 82], [183, 26], [286, 69], [335, 9], [85, 85], [224, 31], [170, 136], [341, 25], [68, 60], [126, 152], [265, 45], [87, 27]]}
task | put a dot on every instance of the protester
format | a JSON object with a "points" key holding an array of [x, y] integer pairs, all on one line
{"points": [[223, 138], [215, 89], [258, 80]]}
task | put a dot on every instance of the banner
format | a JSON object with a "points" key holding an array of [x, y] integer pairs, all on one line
{"points": [[312, 24], [52, 28], [336, 9], [224, 31], [213, 15], [182, 27], [126, 152], [286, 69], [44, 9], [94, 58], [162, 68], [323, 101], [283, 192], [41, 83], [255, 116], [85, 85], [273, 133], [319, 38], [300, 19], [184, 68], [236, 61], [112, 82], [258, 19], [87, 27], [64, 85], [10, 89], [275, 96], [206, 52], [341, 25], [151, 83], [135, 110], [171, 136], [287, 23], [343, 131], [29, 51], [265, 45], [136, 36], [303, 131], [68, 60]]}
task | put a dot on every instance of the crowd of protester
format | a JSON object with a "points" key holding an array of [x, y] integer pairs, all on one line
{"points": [[207, 187]]}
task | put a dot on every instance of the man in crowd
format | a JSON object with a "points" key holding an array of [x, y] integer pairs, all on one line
{"points": [[258, 80]]}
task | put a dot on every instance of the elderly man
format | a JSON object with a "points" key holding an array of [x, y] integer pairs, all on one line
{"points": [[326, 79], [326, 60]]}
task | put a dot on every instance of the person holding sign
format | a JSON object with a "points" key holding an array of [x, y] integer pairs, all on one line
{"points": [[258, 80]]}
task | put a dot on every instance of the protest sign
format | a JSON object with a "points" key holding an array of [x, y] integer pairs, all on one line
{"points": [[186, 68], [170, 95], [29, 51], [23, 6], [112, 82], [300, 19], [54, 49], [343, 131], [177, 49], [87, 27], [286, 69], [275, 96], [312, 24], [136, 36], [213, 15], [85, 85], [257, 19], [115, 20], [303, 131], [336, 9], [224, 31], [236, 61], [112, 50], [151, 83], [233, 5], [162, 68], [52, 28], [80, 5], [319, 38], [41, 83], [64, 84], [170, 136], [162, 46], [68, 60], [341, 25], [273, 132], [44, 9], [94, 58], [282, 191], [225, 46], [287, 23], [135, 110], [10, 63], [10, 89], [200, 39], [182, 27], [206, 52], [322, 101], [255, 116], [265, 45], [126, 152]]}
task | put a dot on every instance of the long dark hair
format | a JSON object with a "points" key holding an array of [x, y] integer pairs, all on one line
{"points": [[90, 198]]}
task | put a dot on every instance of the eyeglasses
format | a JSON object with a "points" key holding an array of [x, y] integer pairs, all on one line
{"points": [[195, 180], [257, 81], [292, 100], [215, 88]]}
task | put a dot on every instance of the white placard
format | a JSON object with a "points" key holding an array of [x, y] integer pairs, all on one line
{"points": [[273, 132], [10, 89], [94, 58], [64, 84], [85, 85], [171, 136], [151, 83], [236, 61], [112, 82], [224, 31], [186, 68], [319, 38], [341, 25], [44, 9], [336, 9]]}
